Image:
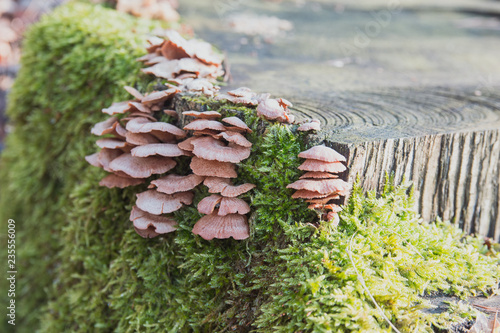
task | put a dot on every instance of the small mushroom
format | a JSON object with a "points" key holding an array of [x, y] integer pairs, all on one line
{"points": [[149, 225], [309, 126], [323, 186], [93, 160], [232, 191], [104, 127], [140, 139], [208, 204], [144, 125], [322, 153], [186, 144], [158, 203], [117, 108], [236, 138], [203, 124], [112, 143], [273, 109], [211, 115], [318, 175], [158, 96], [106, 156], [317, 165], [233, 206], [134, 92], [216, 184], [113, 180], [161, 149], [202, 167], [142, 167], [306, 194], [221, 227], [173, 183], [140, 107], [211, 149], [238, 123]]}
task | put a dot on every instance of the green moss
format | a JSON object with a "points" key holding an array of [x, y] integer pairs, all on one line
{"points": [[75, 62], [83, 269]]}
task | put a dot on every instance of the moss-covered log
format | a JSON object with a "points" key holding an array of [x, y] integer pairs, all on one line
{"points": [[82, 268]]}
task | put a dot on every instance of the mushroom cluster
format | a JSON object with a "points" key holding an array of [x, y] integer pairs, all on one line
{"points": [[192, 64], [320, 185], [217, 147], [135, 146]]}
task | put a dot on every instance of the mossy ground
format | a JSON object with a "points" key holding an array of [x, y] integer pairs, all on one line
{"points": [[82, 268]]}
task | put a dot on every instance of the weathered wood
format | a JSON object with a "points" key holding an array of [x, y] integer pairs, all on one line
{"points": [[410, 87]]}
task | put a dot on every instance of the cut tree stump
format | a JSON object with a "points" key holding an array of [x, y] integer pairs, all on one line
{"points": [[403, 87]]}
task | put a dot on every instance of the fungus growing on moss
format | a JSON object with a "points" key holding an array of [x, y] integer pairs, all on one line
{"points": [[274, 109], [318, 185], [215, 157], [149, 225], [312, 125]]}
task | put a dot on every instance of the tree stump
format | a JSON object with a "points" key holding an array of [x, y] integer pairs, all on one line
{"points": [[402, 87]]}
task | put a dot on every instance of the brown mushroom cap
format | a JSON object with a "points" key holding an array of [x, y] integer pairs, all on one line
{"points": [[120, 131], [139, 139], [317, 165], [238, 123], [202, 167], [323, 186], [186, 144], [117, 108], [241, 91], [306, 194], [174, 183], [233, 191], [207, 204], [104, 127], [312, 126], [324, 200], [333, 207], [164, 136], [147, 233], [221, 227], [212, 133], [333, 218], [93, 160], [171, 113], [162, 149], [246, 100], [144, 222], [112, 143], [106, 156], [134, 92], [142, 167], [212, 149], [158, 96], [322, 153], [271, 109], [203, 115], [112, 180], [318, 175], [203, 124], [158, 203], [233, 206], [216, 184], [144, 125], [236, 138], [139, 107]]}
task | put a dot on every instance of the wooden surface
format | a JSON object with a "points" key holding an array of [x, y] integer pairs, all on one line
{"points": [[414, 92]]}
